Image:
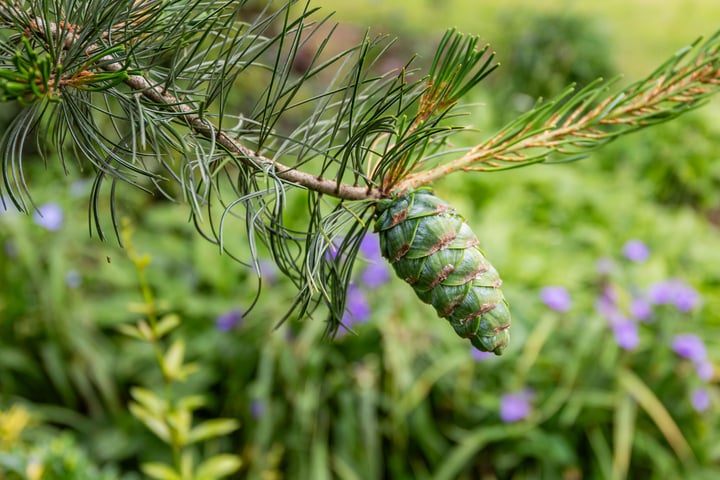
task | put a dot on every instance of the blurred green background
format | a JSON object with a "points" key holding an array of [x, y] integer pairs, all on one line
{"points": [[592, 385]]}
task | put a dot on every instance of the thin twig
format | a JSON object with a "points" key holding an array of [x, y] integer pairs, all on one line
{"points": [[683, 90]]}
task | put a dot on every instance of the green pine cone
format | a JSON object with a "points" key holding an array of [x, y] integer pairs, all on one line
{"points": [[432, 248]]}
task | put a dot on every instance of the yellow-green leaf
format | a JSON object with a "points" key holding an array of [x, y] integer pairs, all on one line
{"points": [[159, 471], [212, 428], [131, 331], [180, 421], [152, 422], [191, 402], [172, 361], [166, 324], [149, 400], [218, 466]]}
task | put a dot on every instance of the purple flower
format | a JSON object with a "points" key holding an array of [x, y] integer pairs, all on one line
{"points": [[626, 334], [49, 216], [333, 249], [357, 309], [479, 355], [556, 298], [674, 292], [636, 251], [661, 293], [228, 320], [640, 309], [257, 408], [370, 247], [689, 346], [375, 274], [700, 399], [606, 303], [705, 370], [515, 406], [686, 298]]}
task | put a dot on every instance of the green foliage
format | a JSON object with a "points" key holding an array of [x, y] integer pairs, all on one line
{"points": [[544, 53], [168, 416], [678, 164], [400, 397], [29, 451]]}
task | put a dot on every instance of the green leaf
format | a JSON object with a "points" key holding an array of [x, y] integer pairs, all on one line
{"points": [[159, 471], [186, 464], [172, 361], [623, 432], [187, 370], [647, 399], [212, 428], [131, 331], [149, 400], [166, 324], [154, 423], [191, 402], [180, 421], [218, 466]]}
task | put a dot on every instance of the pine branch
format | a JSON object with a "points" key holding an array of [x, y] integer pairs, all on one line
{"points": [[191, 116], [575, 123], [141, 90]]}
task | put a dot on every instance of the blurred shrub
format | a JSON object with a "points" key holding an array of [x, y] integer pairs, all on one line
{"points": [[579, 392], [542, 54], [29, 451], [678, 162]]}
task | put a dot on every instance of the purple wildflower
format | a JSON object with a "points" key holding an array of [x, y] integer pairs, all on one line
{"points": [[700, 399], [479, 355], [674, 292], [515, 406], [689, 346], [636, 251], [228, 320], [370, 246], [357, 309], [49, 216], [375, 274], [626, 334], [705, 370], [333, 249], [640, 309], [606, 303], [257, 408], [557, 298], [661, 293], [686, 298]]}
